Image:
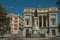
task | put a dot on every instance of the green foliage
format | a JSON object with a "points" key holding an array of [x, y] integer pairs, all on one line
{"points": [[58, 3], [2, 11], [4, 20]]}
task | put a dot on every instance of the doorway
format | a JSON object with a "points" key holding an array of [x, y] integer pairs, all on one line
{"points": [[27, 33], [53, 32]]}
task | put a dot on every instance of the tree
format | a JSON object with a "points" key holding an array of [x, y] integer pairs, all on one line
{"points": [[2, 11], [4, 20], [8, 24], [58, 3]]}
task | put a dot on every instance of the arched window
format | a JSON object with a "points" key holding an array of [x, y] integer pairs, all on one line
{"points": [[53, 21]]}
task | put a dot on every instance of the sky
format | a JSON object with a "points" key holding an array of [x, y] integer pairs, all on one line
{"points": [[17, 6]]}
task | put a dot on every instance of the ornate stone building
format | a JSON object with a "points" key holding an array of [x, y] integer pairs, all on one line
{"points": [[42, 21]]}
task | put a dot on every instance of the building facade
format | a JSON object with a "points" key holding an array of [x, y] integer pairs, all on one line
{"points": [[42, 21], [15, 23]]}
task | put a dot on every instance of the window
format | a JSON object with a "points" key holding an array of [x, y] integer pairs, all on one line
{"points": [[15, 28], [15, 25], [27, 22], [16, 17], [16, 21], [53, 21], [37, 22], [53, 32], [11, 18], [35, 14]]}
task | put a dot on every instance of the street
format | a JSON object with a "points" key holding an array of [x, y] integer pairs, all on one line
{"points": [[20, 37]]}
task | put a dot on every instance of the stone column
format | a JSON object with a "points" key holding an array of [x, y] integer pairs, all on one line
{"points": [[49, 20], [38, 20], [24, 32], [42, 21], [56, 20], [46, 22]]}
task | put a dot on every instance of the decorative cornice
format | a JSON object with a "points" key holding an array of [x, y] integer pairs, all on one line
{"points": [[40, 10]]}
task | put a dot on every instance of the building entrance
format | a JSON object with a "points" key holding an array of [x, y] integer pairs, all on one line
{"points": [[27, 33]]}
